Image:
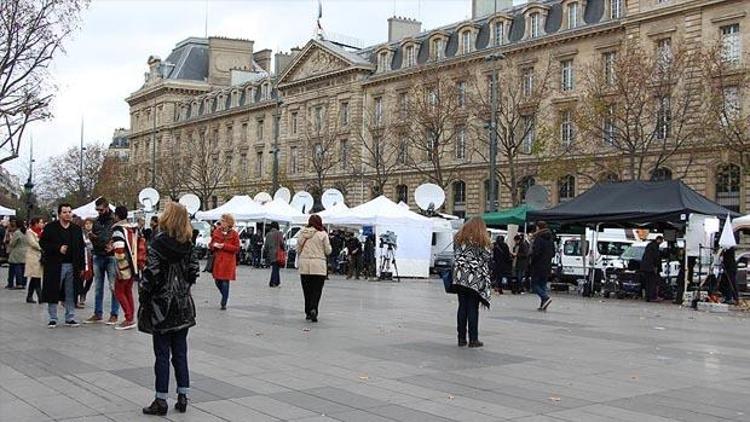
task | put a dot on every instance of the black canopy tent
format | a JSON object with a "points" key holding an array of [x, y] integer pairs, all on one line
{"points": [[635, 203]]}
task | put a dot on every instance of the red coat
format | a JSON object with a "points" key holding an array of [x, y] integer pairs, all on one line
{"points": [[225, 259]]}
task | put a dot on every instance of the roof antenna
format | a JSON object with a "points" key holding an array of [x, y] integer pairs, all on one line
{"points": [[205, 20]]}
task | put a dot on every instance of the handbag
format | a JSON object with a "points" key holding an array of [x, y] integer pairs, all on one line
{"points": [[447, 277], [280, 257], [209, 268]]}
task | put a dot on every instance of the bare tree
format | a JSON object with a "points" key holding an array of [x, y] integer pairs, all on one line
{"points": [[64, 178], [521, 117], [728, 83], [640, 107], [323, 142], [31, 33], [115, 182], [380, 150], [430, 120], [205, 170], [171, 176]]}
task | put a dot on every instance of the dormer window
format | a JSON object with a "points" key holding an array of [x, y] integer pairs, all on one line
{"points": [[383, 62], [572, 15], [466, 42], [616, 9], [410, 56], [498, 33], [221, 101], [250, 95], [535, 21], [235, 95], [437, 48], [265, 91]]}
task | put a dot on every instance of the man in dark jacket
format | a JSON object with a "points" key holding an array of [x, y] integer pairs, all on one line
{"points": [[729, 279], [273, 243], [104, 263], [542, 252], [521, 256], [64, 261], [502, 264], [650, 268], [354, 246]]}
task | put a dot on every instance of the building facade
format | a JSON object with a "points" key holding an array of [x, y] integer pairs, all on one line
{"points": [[318, 111]]}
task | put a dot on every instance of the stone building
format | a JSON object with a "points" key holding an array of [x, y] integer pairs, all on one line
{"points": [[322, 96], [120, 146]]}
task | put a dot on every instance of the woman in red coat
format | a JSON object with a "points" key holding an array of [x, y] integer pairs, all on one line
{"points": [[225, 242]]}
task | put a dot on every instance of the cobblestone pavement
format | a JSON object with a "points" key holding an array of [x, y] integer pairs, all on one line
{"points": [[385, 352]]}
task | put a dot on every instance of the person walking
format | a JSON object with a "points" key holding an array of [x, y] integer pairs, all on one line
{"points": [[542, 253], [63, 250], [273, 246], [104, 263], [502, 264], [313, 248], [17, 258], [521, 261], [354, 248], [124, 248], [225, 242], [33, 270], [650, 269], [471, 278], [167, 309]]}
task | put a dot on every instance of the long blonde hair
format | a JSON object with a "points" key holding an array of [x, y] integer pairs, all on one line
{"points": [[174, 221], [229, 218], [473, 233]]}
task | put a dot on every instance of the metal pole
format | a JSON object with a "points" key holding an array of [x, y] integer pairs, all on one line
{"points": [[153, 150], [493, 144], [275, 150], [80, 169]]}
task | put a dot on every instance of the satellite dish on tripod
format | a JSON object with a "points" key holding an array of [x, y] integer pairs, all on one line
{"points": [[283, 194], [148, 197], [303, 202], [537, 197], [331, 197], [191, 202], [262, 198], [429, 198]]}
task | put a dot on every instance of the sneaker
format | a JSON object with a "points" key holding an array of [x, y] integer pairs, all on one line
{"points": [[112, 320], [72, 323], [52, 324], [93, 319], [545, 304], [125, 325]]}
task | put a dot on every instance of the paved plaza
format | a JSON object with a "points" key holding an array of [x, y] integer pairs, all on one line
{"points": [[386, 352]]}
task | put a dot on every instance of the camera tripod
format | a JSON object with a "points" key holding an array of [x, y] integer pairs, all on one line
{"points": [[388, 259]]}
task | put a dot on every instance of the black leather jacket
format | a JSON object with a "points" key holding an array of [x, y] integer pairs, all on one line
{"points": [[166, 304]]}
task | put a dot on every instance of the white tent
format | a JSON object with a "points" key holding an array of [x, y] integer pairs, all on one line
{"points": [[740, 223], [6, 211], [278, 210], [413, 230], [242, 207], [89, 210], [337, 209]]}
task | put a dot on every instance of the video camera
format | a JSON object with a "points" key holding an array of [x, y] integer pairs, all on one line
{"points": [[388, 239]]}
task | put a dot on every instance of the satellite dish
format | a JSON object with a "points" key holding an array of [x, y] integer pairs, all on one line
{"points": [[262, 198], [191, 202], [303, 202], [537, 197], [148, 197], [283, 194], [331, 197], [429, 197]]}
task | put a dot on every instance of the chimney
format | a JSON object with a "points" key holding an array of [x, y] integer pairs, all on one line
{"points": [[282, 60], [263, 58], [482, 8], [225, 54], [399, 28]]}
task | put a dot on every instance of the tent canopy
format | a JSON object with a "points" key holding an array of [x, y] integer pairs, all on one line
{"points": [[89, 210], [242, 207], [634, 202], [380, 210], [6, 211], [278, 210], [515, 215], [337, 209]]}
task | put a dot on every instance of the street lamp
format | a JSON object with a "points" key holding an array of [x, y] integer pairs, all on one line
{"points": [[492, 58], [275, 149]]}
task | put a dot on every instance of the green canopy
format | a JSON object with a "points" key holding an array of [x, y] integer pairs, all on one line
{"points": [[515, 215]]}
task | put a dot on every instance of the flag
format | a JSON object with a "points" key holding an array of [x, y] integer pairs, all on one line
{"points": [[726, 240], [320, 14]]}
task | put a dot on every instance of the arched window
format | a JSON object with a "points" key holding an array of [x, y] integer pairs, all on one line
{"points": [[459, 198], [566, 188], [661, 174], [609, 177], [402, 194], [487, 194], [728, 186], [525, 184]]}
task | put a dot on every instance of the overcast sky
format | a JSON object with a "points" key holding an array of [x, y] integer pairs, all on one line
{"points": [[106, 59]]}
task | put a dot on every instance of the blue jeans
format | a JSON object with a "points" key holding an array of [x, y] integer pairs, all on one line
{"points": [[68, 286], [539, 286], [176, 343], [15, 273], [275, 276], [105, 264], [468, 314], [223, 286]]}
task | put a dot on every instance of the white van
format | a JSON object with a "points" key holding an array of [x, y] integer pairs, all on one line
{"points": [[610, 245]]}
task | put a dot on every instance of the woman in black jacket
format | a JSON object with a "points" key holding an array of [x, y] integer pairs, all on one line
{"points": [[166, 308], [502, 263]]}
